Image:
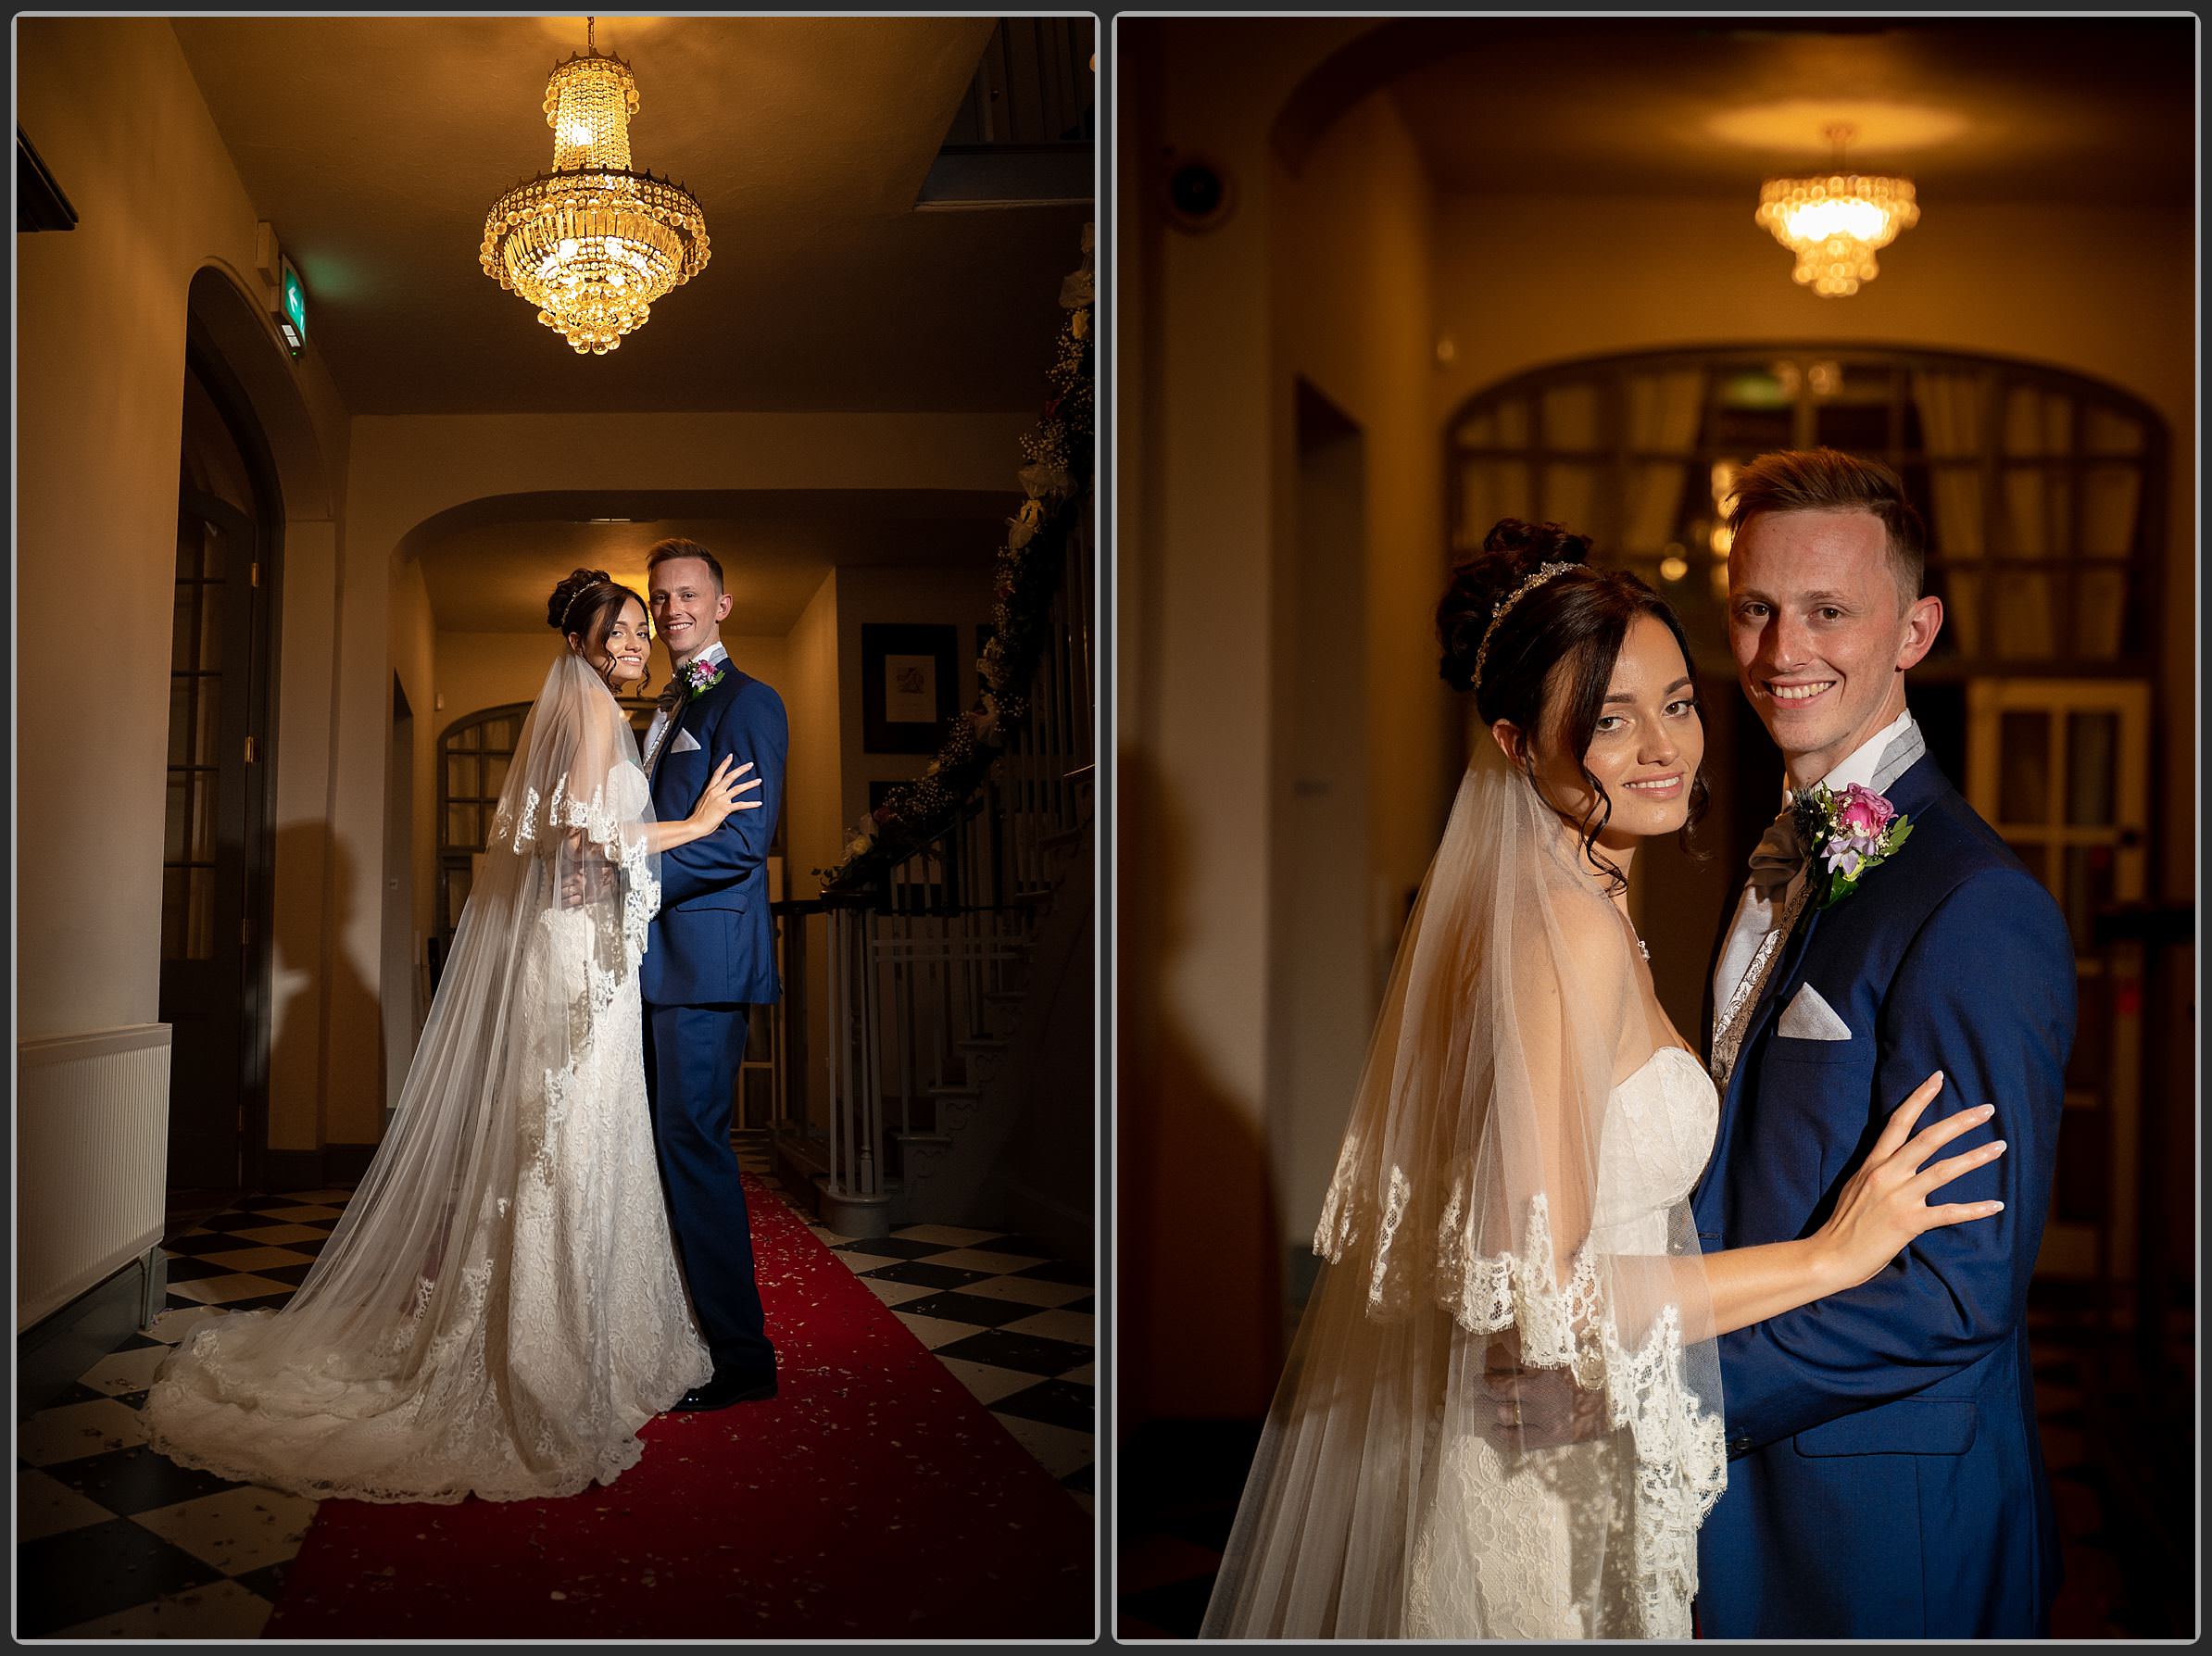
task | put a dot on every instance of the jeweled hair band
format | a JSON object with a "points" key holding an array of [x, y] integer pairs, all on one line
{"points": [[576, 598], [1543, 574]]}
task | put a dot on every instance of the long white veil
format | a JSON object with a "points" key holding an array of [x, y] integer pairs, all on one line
{"points": [[375, 1379], [1492, 1206]]}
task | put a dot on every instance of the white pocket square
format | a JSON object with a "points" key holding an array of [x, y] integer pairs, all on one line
{"points": [[685, 742], [1809, 1018]]}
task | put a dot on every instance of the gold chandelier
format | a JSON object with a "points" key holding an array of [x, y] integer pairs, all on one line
{"points": [[1835, 224], [593, 243]]}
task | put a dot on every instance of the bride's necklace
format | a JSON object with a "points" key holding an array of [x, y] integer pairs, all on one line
{"points": [[1641, 948]]}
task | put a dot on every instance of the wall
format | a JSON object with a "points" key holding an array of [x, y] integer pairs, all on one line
{"points": [[1202, 456], [100, 373], [814, 820], [114, 110], [1352, 311], [958, 597]]}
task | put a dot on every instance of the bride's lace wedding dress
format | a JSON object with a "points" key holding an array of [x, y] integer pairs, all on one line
{"points": [[1562, 1542], [500, 1308]]}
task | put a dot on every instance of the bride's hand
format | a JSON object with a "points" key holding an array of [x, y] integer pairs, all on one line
{"points": [[1884, 1203], [722, 796]]}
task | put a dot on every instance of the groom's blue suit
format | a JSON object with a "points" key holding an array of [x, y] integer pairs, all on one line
{"points": [[711, 953], [1885, 1479]]}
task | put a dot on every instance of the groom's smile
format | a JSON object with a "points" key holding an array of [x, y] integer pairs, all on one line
{"points": [[1799, 693]]}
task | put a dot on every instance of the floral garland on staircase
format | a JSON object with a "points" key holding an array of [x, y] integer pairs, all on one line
{"points": [[1057, 483]]}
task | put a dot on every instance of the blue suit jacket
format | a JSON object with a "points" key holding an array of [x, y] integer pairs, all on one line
{"points": [[714, 942], [1885, 1478]]}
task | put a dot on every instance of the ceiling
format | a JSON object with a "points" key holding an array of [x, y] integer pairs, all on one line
{"points": [[490, 565], [376, 146], [1991, 107]]}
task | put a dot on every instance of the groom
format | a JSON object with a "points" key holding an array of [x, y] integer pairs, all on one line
{"points": [[1884, 1477], [710, 955]]}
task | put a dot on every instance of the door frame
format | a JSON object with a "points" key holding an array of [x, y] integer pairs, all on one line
{"points": [[205, 359], [2077, 1249]]}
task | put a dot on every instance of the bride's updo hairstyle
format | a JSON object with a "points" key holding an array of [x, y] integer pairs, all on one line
{"points": [[586, 605], [1556, 644]]}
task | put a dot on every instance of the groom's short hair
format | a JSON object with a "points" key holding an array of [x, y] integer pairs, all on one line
{"points": [[1827, 480], [659, 552]]}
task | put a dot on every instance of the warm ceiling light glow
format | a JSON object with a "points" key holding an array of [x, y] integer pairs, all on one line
{"points": [[592, 243], [1835, 224]]}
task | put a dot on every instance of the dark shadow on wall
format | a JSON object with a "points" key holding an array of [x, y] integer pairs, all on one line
{"points": [[1197, 1235], [308, 959]]}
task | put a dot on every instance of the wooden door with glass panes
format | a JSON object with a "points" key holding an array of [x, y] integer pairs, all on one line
{"points": [[2061, 769]]}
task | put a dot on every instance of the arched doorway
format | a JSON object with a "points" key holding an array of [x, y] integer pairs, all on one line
{"points": [[215, 853]]}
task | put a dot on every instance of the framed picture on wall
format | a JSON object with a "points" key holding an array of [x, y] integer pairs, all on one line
{"points": [[910, 685]]}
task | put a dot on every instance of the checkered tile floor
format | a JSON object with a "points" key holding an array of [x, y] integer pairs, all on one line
{"points": [[1009, 1321], [114, 1541]]}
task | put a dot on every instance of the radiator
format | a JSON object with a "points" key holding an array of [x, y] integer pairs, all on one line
{"points": [[91, 1160]]}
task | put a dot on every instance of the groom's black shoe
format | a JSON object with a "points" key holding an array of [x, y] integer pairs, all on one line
{"points": [[730, 1386]]}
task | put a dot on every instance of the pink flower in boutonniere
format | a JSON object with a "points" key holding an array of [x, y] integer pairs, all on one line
{"points": [[1863, 811], [1850, 834], [702, 675]]}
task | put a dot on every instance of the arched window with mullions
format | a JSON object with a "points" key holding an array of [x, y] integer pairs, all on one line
{"points": [[2041, 488], [2042, 492]]}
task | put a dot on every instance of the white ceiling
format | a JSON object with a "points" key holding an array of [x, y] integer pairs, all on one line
{"points": [[1992, 108], [376, 146]]}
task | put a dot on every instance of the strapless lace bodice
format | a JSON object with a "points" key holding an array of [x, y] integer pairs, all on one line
{"points": [[1660, 1124]]}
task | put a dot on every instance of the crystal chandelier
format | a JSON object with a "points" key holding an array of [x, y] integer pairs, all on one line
{"points": [[1835, 224], [593, 243]]}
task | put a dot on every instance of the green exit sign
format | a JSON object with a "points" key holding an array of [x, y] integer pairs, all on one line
{"points": [[292, 308]]}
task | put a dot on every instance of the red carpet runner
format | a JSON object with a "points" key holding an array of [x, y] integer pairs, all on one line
{"points": [[873, 1499]]}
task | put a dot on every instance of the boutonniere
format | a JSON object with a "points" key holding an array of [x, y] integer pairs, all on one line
{"points": [[1849, 833], [702, 675]]}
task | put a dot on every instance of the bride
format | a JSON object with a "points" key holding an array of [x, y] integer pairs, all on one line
{"points": [[1502, 1415], [500, 1309]]}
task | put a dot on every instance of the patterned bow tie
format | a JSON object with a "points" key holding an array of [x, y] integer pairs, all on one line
{"points": [[1779, 854]]}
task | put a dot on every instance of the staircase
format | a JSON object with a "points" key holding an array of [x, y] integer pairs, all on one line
{"points": [[957, 1084]]}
